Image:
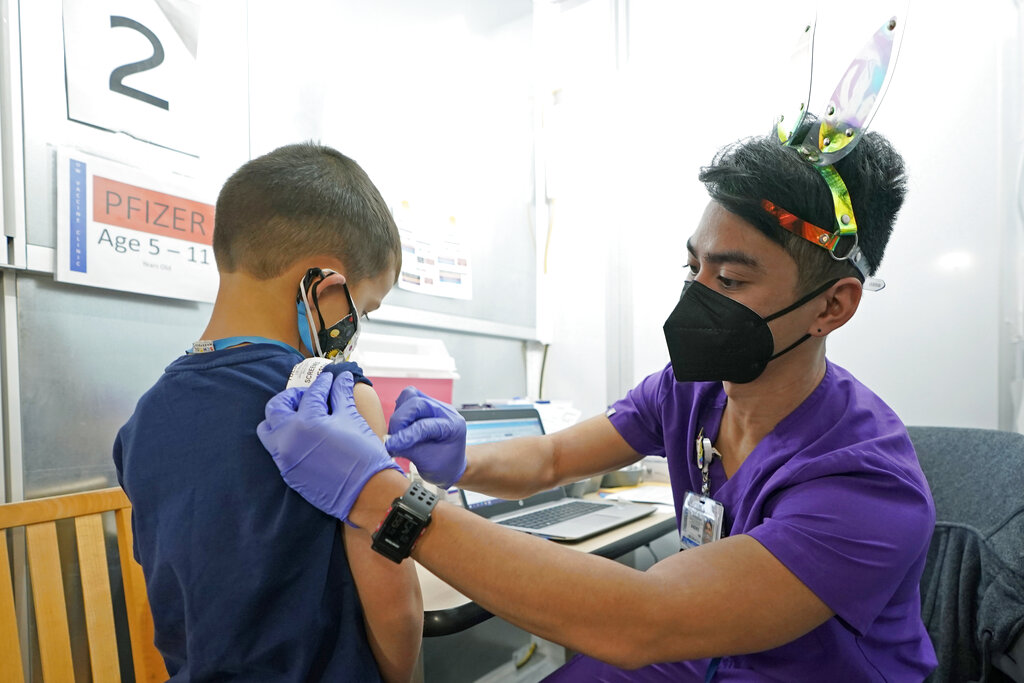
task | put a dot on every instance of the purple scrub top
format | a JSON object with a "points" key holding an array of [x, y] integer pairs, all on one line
{"points": [[836, 494]]}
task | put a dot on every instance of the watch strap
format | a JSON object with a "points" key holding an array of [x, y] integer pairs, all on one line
{"points": [[418, 499]]}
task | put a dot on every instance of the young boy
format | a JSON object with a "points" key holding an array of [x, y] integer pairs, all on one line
{"points": [[246, 580]]}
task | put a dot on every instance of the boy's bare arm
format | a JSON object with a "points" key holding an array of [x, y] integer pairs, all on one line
{"points": [[389, 592]]}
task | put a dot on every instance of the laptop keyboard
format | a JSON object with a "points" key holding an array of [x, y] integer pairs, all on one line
{"points": [[552, 515]]}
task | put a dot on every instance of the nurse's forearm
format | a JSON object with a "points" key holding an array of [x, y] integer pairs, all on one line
{"points": [[728, 597], [582, 601], [510, 469], [518, 467], [577, 600], [512, 574]]}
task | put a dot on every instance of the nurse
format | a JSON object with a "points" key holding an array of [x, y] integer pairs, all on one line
{"points": [[807, 478]]}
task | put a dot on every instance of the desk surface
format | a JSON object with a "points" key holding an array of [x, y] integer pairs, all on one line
{"points": [[447, 611]]}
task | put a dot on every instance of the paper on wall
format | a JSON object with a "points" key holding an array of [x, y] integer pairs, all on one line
{"points": [[435, 253], [130, 67]]}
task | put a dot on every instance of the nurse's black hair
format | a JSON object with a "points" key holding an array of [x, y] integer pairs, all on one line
{"points": [[746, 172]]}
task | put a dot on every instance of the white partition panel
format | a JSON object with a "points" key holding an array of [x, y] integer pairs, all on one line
{"points": [[12, 187]]}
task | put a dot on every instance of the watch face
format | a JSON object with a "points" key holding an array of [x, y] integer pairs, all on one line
{"points": [[401, 529], [398, 533], [405, 521]]}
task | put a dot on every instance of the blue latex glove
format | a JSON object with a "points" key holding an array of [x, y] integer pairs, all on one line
{"points": [[326, 454], [431, 434]]}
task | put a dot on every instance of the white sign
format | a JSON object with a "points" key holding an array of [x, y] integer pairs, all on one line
{"points": [[122, 228], [131, 67], [435, 254]]}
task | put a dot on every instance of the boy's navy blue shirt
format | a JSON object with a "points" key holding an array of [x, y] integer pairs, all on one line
{"points": [[246, 580]]}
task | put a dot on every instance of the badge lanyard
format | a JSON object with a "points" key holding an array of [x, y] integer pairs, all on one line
{"points": [[702, 515], [302, 375], [208, 345]]}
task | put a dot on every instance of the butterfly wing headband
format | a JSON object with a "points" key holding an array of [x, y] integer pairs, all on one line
{"points": [[835, 134]]}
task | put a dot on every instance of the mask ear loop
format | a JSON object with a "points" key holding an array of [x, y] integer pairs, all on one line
{"points": [[354, 312], [792, 307], [316, 301], [304, 284]]}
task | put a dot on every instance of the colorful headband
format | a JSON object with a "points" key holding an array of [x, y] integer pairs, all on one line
{"points": [[824, 239], [849, 112]]}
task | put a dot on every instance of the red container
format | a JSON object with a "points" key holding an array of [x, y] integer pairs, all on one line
{"points": [[388, 389], [392, 363]]}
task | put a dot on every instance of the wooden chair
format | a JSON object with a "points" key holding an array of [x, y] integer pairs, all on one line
{"points": [[39, 518]]}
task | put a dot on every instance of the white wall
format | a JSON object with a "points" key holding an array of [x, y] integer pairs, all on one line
{"points": [[579, 157], [931, 344], [433, 101], [424, 96], [938, 342]]}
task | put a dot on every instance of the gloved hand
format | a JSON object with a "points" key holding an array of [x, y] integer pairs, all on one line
{"points": [[431, 434], [326, 454]]}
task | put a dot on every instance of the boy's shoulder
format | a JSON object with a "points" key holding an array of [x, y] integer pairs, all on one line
{"points": [[348, 366], [256, 367], [252, 359], [244, 372], [234, 381], [230, 377]]}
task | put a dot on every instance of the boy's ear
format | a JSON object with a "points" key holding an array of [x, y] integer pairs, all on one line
{"points": [[333, 279], [300, 268], [842, 301]]}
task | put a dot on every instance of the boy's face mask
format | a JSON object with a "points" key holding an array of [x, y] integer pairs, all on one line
{"points": [[712, 338], [337, 341]]}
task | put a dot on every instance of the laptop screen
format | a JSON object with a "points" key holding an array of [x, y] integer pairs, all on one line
{"points": [[483, 431], [484, 425]]}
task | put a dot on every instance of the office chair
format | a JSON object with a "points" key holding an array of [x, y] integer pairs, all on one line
{"points": [[972, 590]]}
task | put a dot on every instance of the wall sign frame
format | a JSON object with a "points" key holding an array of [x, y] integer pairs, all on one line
{"points": [[123, 228]]}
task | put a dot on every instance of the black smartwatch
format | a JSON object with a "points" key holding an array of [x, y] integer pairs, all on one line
{"points": [[408, 517]]}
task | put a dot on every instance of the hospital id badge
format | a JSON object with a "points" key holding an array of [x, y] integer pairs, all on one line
{"points": [[701, 521]]}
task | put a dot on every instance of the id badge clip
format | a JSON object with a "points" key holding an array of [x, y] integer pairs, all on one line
{"points": [[702, 515]]}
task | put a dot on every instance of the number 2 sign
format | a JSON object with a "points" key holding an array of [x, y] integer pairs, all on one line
{"points": [[131, 67]]}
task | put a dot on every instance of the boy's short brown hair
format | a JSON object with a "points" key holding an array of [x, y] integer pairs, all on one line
{"points": [[302, 200]]}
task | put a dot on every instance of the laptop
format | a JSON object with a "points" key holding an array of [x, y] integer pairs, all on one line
{"points": [[550, 514]]}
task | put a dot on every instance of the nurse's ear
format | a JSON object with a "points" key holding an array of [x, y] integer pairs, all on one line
{"points": [[841, 302]]}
